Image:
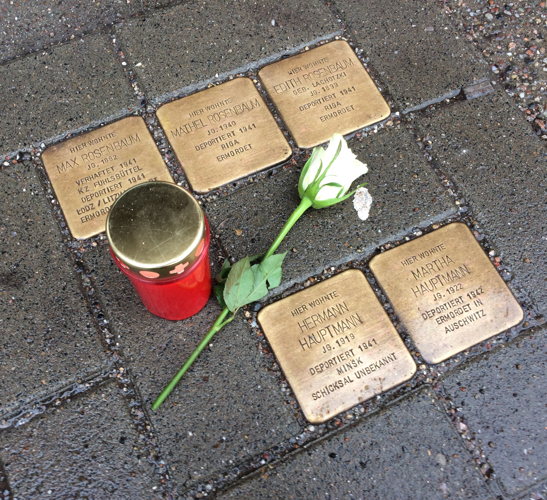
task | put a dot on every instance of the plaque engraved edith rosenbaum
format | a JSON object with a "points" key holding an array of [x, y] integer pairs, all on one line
{"points": [[90, 171], [336, 345], [323, 91], [446, 291], [223, 133]]}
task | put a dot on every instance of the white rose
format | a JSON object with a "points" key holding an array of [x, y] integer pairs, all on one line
{"points": [[328, 174]]}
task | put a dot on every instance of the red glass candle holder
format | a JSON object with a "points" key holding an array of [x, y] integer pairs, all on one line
{"points": [[159, 238]]}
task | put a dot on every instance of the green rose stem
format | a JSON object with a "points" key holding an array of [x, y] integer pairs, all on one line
{"points": [[217, 325], [305, 203], [222, 319]]}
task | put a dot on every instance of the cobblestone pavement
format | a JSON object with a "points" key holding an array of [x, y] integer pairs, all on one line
{"points": [[81, 359]]}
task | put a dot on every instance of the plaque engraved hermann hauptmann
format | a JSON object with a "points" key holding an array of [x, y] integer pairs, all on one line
{"points": [[336, 345]]}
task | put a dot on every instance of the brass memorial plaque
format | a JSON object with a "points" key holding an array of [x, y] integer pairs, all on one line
{"points": [[323, 91], [223, 133], [336, 345], [446, 291], [90, 171]]}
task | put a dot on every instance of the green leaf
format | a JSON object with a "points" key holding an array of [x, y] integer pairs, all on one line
{"points": [[253, 259], [271, 267], [246, 283], [238, 284], [259, 288]]}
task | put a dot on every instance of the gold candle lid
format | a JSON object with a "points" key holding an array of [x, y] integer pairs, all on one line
{"points": [[156, 229]]}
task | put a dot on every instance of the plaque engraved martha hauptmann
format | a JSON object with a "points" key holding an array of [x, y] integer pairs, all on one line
{"points": [[446, 291]]}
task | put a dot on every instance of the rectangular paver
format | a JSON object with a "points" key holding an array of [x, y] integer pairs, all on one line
{"points": [[414, 48], [405, 452], [224, 410], [501, 398], [48, 338], [49, 93], [404, 188], [197, 40], [30, 26], [85, 448], [495, 159]]}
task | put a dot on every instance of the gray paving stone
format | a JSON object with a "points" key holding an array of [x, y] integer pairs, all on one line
{"points": [[538, 492], [198, 39], [494, 157], [224, 410], [48, 93], [406, 451], [502, 399], [154, 4], [414, 48], [4, 485], [48, 338], [85, 448], [31, 26], [405, 191]]}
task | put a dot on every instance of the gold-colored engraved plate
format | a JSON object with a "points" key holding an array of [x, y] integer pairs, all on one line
{"points": [[323, 91], [223, 133], [446, 291], [336, 345], [90, 171]]}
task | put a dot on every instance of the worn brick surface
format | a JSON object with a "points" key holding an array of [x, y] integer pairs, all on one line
{"points": [[85, 448], [502, 400], [406, 194], [490, 151], [225, 409], [48, 93], [199, 39], [414, 48], [30, 26], [47, 336], [407, 451]]}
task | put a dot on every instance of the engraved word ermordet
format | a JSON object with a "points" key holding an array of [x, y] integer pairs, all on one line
{"points": [[323, 91], [91, 170], [336, 345], [446, 291], [223, 133]]}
